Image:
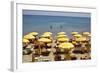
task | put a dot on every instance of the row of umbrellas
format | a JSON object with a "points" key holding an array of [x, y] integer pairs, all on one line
{"points": [[61, 37], [32, 35]]}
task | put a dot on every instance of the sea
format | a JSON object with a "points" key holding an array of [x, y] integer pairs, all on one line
{"points": [[55, 24]]}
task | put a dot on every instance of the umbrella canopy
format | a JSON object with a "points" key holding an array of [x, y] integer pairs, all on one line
{"points": [[77, 35], [34, 33], [61, 36], [80, 39], [48, 33], [74, 42], [86, 33], [74, 33], [45, 40], [29, 37], [89, 35], [25, 41], [45, 35], [63, 39], [61, 33], [66, 45]]}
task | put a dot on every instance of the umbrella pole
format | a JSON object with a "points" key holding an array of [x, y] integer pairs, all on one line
{"points": [[39, 49], [67, 55]]}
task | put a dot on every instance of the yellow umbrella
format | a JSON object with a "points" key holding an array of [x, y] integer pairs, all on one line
{"points": [[48, 33], [25, 41], [77, 35], [74, 33], [61, 36], [66, 45], [63, 39], [74, 42], [89, 35], [29, 37], [86, 33], [80, 39], [34, 33], [61, 33], [45, 35], [45, 40]]}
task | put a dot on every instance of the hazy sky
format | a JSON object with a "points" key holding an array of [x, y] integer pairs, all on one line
{"points": [[56, 13]]}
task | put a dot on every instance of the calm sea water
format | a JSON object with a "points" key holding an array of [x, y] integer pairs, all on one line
{"points": [[42, 23]]}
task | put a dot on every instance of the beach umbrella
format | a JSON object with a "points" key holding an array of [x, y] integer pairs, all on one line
{"points": [[45, 35], [89, 35], [61, 33], [74, 42], [29, 37], [61, 36], [66, 45], [77, 35], [86, 33], [25, 41], [34, 33], [25, 36], [45, 40], [48, 33], [74, 33], [80, 39], [63, 39]]}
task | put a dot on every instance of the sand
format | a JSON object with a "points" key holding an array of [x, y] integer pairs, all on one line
{"points": [[28, 58]]}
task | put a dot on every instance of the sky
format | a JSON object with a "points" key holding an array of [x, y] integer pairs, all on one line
{"points": [[56, 13]]}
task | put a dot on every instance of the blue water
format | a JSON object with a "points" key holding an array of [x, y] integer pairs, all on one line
{"points": [[42, 23]]}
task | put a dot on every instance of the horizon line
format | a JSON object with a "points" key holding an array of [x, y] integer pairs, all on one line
{"points": [[56, 13]]}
